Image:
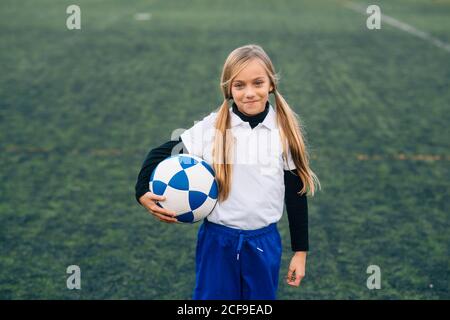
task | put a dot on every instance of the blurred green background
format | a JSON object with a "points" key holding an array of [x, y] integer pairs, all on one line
{"points": [[80, 109]]}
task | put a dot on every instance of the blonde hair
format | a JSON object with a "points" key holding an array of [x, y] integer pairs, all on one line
{"points": [[288, 123]]}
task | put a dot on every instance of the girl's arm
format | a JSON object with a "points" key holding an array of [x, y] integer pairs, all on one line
{"points": [[297, 211], [154, 157]]}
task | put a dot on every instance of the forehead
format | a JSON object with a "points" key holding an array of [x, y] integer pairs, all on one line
{"points": [[254, 69]]}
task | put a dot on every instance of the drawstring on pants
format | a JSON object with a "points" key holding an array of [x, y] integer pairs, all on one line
{"points": [[241, 240]]}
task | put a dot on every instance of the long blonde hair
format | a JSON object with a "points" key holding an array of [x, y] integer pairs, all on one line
{"points": [[288, 123]]}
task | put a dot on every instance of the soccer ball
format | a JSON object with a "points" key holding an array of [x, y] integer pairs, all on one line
{"points": [[189, 185]]}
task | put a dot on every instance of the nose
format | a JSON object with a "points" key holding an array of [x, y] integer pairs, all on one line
{"points": [[249, 94]]}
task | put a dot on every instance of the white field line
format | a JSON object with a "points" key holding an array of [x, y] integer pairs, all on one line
{"points": [[402, 26]]}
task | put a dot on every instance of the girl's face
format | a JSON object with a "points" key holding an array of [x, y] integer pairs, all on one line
{"points": [[250, 88]]}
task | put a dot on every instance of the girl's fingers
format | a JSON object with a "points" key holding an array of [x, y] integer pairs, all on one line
{"points": [[293, 283], [290, 274], [163, 211], [298, 278], [164, 218], [293, 279], [155, 197], [153, 207], [159, 212]]}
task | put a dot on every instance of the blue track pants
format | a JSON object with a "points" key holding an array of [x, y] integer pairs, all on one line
{"points": [[237, 264]]}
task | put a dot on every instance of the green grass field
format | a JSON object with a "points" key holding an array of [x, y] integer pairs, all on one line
{"points": [[80, 109]]}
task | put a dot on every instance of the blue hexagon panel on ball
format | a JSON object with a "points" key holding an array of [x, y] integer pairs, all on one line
{"points": [[189, 185]]}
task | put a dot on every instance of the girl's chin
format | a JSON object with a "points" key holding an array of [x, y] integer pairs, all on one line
{"points": [[252, 110]]}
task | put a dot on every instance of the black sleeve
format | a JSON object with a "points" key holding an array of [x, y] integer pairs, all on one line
{"points": [[297, 211], [154, 157]]}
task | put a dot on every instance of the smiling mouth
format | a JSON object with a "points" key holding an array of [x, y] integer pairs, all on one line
{"points": [[250, 101]]}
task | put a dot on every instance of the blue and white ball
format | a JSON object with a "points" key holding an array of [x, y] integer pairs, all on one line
{"points": [[189, 185]]}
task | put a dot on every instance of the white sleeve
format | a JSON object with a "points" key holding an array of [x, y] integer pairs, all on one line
{"points": [[197, 137], [193, 139], [290, 165]]}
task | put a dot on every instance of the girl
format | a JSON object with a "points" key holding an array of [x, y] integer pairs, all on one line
{"points": [[238, 250]]}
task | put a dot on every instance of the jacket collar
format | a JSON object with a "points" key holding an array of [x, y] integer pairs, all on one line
{"points": [[269, 121]]}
